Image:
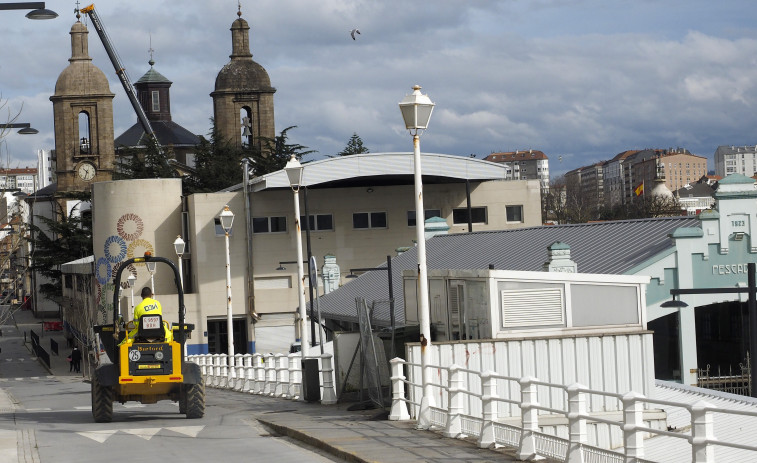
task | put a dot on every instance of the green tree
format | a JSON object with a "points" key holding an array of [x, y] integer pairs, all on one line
{"points": [[149, 162], [63, 239], [217, 165], [354, 146], [275, 153]]}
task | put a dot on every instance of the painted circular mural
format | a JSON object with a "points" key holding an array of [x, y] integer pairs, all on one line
{"points": [[130, 226]]}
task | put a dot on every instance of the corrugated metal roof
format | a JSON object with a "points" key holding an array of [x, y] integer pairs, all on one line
{"points": [[384, 164], [730, 428], [603, 247]]}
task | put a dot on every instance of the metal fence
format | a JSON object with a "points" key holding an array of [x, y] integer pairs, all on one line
{"points": [[739, 382]]}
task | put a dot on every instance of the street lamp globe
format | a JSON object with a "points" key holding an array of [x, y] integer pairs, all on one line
{"points": [[42, 13], [416, 110], [227, 218], [178, 246], [131, 280], [294, 172]]}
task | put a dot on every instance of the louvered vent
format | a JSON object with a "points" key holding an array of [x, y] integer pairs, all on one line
{"points": [[532, 307]]}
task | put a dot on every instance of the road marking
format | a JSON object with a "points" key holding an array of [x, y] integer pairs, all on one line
{"points": [[38, 409], [191, 431], [99, 436], [144, 433]]}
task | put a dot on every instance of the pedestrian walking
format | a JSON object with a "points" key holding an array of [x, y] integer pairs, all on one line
{"points": [[76, 360]]}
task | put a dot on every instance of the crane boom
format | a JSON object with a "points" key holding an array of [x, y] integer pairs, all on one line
{"points": [[121, 72]]}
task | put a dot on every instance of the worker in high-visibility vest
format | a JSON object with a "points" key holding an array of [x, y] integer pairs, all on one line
{"points": [[148, 306]]}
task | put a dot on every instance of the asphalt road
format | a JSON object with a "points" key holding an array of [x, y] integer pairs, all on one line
{"points": [[45, 418]]}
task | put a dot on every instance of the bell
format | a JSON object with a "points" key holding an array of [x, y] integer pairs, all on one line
{"points": [[246, 132]]}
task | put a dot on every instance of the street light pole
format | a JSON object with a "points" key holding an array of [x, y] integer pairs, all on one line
{"points": [[416, 111], [227, 218], [294, 172], [178, 246]]}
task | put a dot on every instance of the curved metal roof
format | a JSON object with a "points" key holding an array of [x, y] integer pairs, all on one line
{"points": [[343, 168]]}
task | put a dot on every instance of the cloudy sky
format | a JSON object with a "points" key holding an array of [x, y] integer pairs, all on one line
{"points": [[580, 80]]}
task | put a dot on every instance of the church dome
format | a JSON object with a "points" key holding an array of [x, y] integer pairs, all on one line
{"points": [[81, 77], [242, 73]]}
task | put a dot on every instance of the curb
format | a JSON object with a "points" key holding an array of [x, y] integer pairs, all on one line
{"points": [[314, 442]]}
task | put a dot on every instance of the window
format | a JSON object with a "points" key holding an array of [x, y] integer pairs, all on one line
{"points": [[460, 215], [155, 101], [427, 214], [276, 224], [319, 222], [362, 220], [514, 213]]}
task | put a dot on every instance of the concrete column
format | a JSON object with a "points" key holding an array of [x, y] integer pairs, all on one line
{"points": [[489, 409], [576, 423], [327, 371], [399, 410], [633, 417], [529, 417], [701, 433]]}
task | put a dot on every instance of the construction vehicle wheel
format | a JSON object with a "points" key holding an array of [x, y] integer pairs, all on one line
{"points": [[102, 402], [195, 400], [183, 400]]}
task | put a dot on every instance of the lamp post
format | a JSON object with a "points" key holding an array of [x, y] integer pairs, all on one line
{"points": [[38, 9], [131, 280], [151, 268], [178, 246], [227, 218], [26, 128], [294, 172], [416, 111]]}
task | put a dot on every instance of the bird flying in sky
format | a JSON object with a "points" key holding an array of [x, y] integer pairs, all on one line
{"points": [[353, 32]]}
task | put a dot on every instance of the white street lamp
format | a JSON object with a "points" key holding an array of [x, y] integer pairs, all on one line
{"points": [[151, 268], [178, 245], [131, 280], [294, 171], [227, 218], [416, 111]]}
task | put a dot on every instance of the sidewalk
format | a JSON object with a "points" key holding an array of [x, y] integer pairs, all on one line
{"points": [[355, 436], [59, 366]]}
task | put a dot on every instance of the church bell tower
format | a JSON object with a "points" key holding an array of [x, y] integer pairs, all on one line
{"points": [[83, 117]]}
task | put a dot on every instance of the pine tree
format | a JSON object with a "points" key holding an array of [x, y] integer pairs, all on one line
{"points": [[64, 240], [354, 146], [276, 153], [218, 165], [148, 162]]}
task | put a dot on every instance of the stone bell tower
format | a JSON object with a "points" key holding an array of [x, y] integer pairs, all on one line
{"points": [[243, 96], [83, 116]]}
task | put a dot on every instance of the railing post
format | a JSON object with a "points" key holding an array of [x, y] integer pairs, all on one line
{"points": [[282, 375], [455, 407], [529, 417], [247, 381], [269, 385], [295, 376], [633, 418], [257, 379], [240, 376], [327, 371], [216, 370], [576, 423], [489, 409], [701, 433], [399, 410]]}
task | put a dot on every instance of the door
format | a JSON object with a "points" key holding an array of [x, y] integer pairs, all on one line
{"points": [[218, 341]]}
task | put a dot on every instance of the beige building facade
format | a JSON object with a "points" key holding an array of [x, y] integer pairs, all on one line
{"points": [[359, 216]]}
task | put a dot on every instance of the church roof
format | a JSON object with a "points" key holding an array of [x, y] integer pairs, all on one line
{"points": [[616, 248], [152, 76], [168, 133]]}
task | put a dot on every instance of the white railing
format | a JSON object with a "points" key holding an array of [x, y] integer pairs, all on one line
{"points": [[275, 375], [529, 438]]}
